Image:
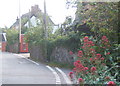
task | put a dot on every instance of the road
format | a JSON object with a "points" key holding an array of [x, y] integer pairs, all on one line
{"points": [[18, 70]]}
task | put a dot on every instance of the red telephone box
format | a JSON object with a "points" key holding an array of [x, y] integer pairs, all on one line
{"points": [[23, 44]]}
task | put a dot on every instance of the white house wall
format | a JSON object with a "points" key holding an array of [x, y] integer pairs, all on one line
{"points": [[33, 22]]}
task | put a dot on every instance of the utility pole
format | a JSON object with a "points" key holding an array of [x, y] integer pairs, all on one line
{"points": [[45, 23], [19, 27], [45, 30], [19, 23], [29, 19]]}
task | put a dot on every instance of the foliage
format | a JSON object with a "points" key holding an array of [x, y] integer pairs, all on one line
{"points": [[12, 36], [23, 30], [102, 17], [2, 30], [91, 65], [70, 42], [34, 35], [37, 36]]}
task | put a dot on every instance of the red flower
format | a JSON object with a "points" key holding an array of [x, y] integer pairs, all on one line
{"points": [[111, 83], [83, 47], [74, 69], [80, 80], [76, 64], [71, 53], [81, 66], [85, 41], [108, 53], [71, 75], [104, 37], [85, 38], [91, 43], [93, 69], [78, 61], [91, 59], [95, 58], [105, 40], [92, 50], [86, 68], [98, 55], [102, 58], [80, 53], [107, 77]]}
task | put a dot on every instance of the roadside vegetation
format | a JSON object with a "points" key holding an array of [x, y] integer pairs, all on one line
{"points": [[93, 35]]}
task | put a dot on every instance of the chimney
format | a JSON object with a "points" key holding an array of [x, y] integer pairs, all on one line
{"points": [[35, 9]]}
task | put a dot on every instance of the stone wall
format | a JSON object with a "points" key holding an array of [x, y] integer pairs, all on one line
{"points": [[36, 53], [61, 55], [14, 48]]}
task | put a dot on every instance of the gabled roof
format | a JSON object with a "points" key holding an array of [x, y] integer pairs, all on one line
{"points": [[35, 11]]}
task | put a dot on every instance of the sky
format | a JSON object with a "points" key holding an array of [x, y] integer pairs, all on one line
{"points": [[55, 8]]}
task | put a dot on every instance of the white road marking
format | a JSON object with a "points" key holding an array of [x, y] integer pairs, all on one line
{"points": [[58, 81], [32, 61], [26, 59], [64, 76]]}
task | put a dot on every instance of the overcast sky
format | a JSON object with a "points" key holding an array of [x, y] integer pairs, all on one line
{"points": [[55, 8]]}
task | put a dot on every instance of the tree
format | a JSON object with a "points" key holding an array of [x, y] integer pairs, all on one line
{"points": [[102, 17], [12, 36]]}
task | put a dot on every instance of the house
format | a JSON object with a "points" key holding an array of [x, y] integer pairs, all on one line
{"points": [[33, 18]]}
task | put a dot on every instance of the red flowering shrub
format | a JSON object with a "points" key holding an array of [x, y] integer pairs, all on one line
{"points": [[93, 69], [90, 66], [80, 53], [111, 83], [80, 80], [105, 42], [71, 53], [71, 75]]}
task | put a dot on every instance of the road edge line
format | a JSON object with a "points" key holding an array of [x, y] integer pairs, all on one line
{"points": [[32, 61], [64, 76], [27, 59], [58, 81]]}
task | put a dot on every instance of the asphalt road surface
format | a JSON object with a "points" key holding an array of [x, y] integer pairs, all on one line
{"points": [[18, 70]]}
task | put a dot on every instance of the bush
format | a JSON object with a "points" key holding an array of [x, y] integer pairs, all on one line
{"points": [[92, 60], [12, 36], [70, 42]]}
